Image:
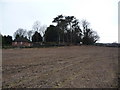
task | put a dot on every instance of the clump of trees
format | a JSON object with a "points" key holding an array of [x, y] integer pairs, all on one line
{"points": [[51, 34], [35, 35], [68, 30], [89, 36], [6, 40]]}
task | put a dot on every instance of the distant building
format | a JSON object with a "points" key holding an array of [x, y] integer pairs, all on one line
{"points": [[21, 42]]}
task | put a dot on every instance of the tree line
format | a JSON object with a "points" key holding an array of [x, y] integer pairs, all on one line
{"points": [[68, 30]]}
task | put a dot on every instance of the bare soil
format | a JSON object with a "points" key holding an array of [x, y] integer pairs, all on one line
{"points": [[60, 67]]}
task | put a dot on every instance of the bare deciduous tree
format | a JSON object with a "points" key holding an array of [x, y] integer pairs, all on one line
{"points": [[42, 29], [36, 26], [85, 24], [20, 33], [29, 33], [89, 36]]}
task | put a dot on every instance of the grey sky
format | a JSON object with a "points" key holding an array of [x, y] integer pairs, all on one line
{"points": [[102, 14]]}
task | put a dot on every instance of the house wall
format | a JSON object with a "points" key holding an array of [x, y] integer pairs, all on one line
{"points": [[22, 44]]}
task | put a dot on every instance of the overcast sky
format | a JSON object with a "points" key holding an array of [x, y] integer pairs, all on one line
{"points": [[102, 15]]}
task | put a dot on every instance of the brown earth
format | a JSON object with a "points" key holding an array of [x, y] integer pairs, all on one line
{"points": [[60, 67]]}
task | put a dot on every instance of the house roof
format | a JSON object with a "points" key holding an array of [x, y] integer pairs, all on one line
{"points": [[21, 39]]}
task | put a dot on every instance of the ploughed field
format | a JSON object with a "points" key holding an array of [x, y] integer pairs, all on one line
{"points": [[60, 67]]}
